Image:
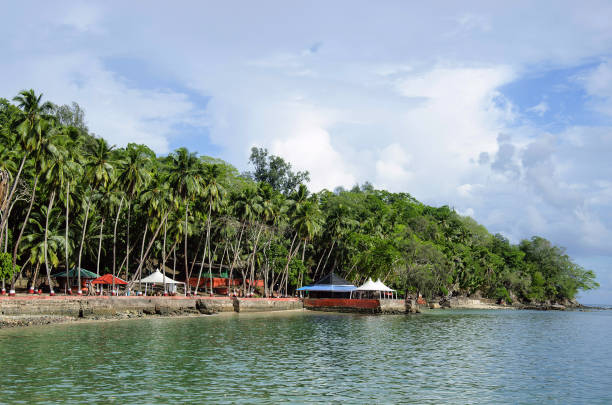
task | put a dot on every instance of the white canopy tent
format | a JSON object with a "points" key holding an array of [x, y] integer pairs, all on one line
{"points": [[157, 278], [371, 286]]}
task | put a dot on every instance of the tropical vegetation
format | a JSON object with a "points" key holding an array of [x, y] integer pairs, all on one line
{"points": [[69, 199]]}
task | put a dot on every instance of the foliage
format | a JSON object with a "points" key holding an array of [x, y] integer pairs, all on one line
{"points": [[275, 171], [135, 211], [6, 266]]}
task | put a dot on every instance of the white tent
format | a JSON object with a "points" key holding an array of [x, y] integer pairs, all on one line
{"points": [[368, 286], [381, 287], [371, 286], [158, 278]]}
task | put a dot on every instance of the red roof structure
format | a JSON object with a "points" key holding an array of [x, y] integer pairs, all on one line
{"points": [[108, 279]]}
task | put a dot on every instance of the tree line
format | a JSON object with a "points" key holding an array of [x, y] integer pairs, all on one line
{"points": [[69, 199]]}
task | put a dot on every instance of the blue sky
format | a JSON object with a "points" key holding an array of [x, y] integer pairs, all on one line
{"points": [[503, 111]]}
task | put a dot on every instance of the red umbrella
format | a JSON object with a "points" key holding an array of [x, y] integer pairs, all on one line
{"points": [[108, 280]]}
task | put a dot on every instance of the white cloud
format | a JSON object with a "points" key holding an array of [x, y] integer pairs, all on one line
{"points": [[541, 108], [598, 83], [115, 110], [349, 91]]}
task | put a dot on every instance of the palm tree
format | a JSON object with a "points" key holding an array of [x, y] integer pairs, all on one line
{"points": [[57, 167], [43, 241], [30, 131], [185, 180], [247, 208], [214, 194], [134, 176], [307, 222], [45, 152]]}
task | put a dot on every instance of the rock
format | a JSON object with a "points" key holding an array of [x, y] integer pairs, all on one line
{"points": [[434, 305], [476, 295]]}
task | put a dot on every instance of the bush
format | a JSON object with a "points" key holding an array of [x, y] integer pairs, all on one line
{"points": [[502, 294]]}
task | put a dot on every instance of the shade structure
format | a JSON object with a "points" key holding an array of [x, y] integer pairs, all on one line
{"points": [[73, 273], [368, 286], [329, 287], [107, 279], [331, 283], [382, 287], [158, 278]]}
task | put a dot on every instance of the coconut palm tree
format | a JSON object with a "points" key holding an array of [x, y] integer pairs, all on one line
{"points": [[213, 193], [58, 168], [185, 179], [248, 208], [29, 131], [134, 176]]}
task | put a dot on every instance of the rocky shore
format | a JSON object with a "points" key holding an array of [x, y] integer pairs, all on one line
{"points": [[462, 302], [10, 321]]}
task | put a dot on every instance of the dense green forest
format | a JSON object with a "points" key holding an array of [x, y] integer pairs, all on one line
{"points": [[68, 199]]}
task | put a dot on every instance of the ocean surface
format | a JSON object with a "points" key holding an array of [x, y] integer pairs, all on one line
{"points": [[442, 357]]}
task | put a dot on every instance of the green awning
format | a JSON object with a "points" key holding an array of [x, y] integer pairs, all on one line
{"points": [[75, 274]]}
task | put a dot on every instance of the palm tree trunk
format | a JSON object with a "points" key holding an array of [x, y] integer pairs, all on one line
{"points": [[99, 247], [302, 273], [328, 254], [164, 255], [174, 262], [236, 252], [144, 237], [7, 202], [186, 264], [210, 260], [115, 242], [208, 221], [201, 267], [195, 257], [289, 257], [319, 264], [49, 207], [25, 221], [66, 235], [252, 278], [83, 242], [127, 242], [139, 269]]}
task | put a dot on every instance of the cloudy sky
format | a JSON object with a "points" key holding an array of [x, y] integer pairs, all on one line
{"points": [[502, 112]]}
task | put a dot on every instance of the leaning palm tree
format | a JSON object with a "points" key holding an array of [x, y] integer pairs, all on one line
{"points": [[29, 133]]}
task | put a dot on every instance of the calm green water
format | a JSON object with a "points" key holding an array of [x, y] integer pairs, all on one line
{"points": [[458, 357]]}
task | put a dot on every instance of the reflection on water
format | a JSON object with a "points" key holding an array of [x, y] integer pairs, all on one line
{"points": [[308, 357]]}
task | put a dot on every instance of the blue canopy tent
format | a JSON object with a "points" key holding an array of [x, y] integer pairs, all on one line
{"points": [[329, 286]]}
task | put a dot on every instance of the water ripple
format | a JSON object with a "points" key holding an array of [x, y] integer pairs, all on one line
{"points": [[469, 357]]}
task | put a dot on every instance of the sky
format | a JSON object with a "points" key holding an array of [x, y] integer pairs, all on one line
{"points": [[501, 110]]}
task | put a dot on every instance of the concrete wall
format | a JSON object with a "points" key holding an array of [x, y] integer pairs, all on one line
{"points": [[266, 304], [88, 307], [393, 306]]}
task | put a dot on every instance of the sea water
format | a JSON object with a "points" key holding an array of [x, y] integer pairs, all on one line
{"points": [[442, 357]]}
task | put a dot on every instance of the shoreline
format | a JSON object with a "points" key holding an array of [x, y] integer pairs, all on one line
{"points": [[23, 311]]}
